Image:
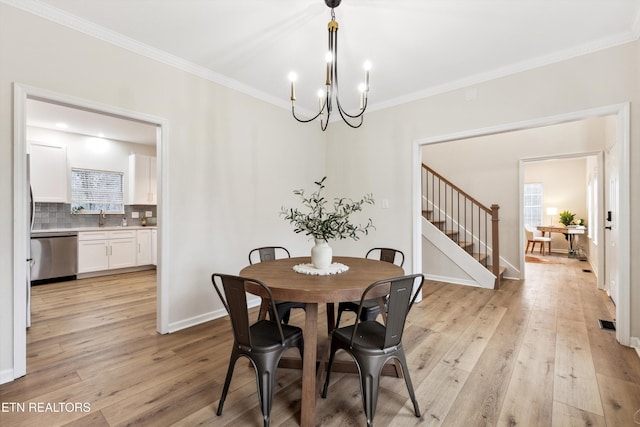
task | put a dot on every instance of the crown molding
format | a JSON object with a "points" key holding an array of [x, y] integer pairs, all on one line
{"points": [[530, 64], [89, 28], [635, 28]]}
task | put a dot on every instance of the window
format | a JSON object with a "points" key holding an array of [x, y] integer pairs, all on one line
{"points": [[93, 191], [533, 204]]}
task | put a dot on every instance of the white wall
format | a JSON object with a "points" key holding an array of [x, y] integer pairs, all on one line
{"points": [[231, 160], [378, 156]]}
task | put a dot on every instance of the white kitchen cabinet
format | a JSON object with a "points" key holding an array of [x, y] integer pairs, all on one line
{"points": [[154, 246], [106, 250], [48, 173], [122, 253], [142, 180], [93, 255], [143, 256]]}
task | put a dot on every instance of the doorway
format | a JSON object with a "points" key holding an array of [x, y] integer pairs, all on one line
{"points": [[21, 206], [622, 136], [567, 183]]}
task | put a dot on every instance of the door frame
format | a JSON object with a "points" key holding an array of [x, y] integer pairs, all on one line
{"points": [[607, 234], [599, 220], [623, 130], [21, 93]]}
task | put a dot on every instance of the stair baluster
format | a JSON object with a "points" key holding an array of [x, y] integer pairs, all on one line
{"points": [[473, 226]]}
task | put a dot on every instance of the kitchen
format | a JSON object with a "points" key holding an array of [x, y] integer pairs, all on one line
{"points": [[94, 193]]}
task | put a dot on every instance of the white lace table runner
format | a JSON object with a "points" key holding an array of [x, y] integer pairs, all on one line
{"points": [[335, 268]]}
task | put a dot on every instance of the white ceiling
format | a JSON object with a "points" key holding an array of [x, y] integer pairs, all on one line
{"points": [[52, 116], [417, 47]]}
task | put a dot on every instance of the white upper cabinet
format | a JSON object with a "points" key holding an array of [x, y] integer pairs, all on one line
{"points": [[48, 173], [142, 180]]}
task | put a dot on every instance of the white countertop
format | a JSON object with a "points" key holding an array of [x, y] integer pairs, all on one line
{"points": [[81, 229]]}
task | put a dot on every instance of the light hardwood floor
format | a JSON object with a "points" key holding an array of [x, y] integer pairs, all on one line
{"points": [[530, 354]]}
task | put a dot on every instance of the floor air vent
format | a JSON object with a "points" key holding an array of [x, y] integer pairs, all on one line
{"points": [[607, 324]]}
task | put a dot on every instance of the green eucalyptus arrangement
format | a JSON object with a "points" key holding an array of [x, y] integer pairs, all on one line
{"points": [[321, 223]]}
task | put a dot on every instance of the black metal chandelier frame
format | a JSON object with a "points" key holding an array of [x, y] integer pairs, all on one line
{"points": [[331, 91]]}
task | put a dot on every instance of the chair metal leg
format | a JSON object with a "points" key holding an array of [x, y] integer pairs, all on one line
{"points": [[285, 317], [266, 379], [339, 316], [266, 385], [329, 365], [407, 379], [369, 383], [227, 381]]}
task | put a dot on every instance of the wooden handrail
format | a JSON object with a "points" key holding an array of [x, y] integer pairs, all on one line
{"points": [[458, 189], [468, 225]]}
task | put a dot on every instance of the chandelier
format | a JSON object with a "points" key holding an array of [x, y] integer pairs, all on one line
{"points": [[326, 97]]}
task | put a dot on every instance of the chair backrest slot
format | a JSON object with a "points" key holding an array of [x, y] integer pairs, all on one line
{"points": [[268, 253], [398, 307], [388, 255], [401, 296], [235, 301]]}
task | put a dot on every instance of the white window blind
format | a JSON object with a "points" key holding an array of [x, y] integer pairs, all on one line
{"points": [[533, 204], [93, 191]]}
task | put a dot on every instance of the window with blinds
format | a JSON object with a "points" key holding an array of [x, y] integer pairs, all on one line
{"points": [[93, 191]]}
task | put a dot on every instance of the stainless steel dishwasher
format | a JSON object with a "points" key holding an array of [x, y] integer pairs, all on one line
{"points": [[54, 256]]}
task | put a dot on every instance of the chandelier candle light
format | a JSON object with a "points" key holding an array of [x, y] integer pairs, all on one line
{"points": [[331, 92]]}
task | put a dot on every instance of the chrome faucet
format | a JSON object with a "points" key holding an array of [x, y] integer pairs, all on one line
{"points": [[101, 218]]}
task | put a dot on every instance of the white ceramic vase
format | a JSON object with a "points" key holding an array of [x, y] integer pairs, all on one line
{"points": [[321, 254]]}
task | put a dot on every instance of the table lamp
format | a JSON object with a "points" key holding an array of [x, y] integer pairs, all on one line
{"points": [[552, 212]]}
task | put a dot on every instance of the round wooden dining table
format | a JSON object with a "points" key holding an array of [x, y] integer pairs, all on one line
{"points": [[289, 285]]}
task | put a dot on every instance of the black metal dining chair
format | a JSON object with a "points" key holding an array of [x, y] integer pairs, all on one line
{"points": [[371, 308], [372, 344], [270, 253], [263, 342]]}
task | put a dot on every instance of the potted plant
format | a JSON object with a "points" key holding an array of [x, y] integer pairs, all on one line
{"points": [[566, 218], [324, 224]]}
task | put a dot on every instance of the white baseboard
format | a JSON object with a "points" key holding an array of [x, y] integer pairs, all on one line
{"points": [[205, 317], [635, 343], [6, 376], [196, 320], [452, 280], [115, 271]]}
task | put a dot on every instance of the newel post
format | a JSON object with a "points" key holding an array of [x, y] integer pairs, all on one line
{"points": [[495, 244]]}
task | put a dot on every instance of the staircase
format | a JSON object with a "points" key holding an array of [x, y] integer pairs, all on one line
{"points": [[472, 228]]}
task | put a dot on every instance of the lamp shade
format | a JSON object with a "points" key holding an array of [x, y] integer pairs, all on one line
{"points": [[552, 211]]}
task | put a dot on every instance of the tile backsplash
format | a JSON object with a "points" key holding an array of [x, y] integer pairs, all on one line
{"points": [[58, 215]]}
